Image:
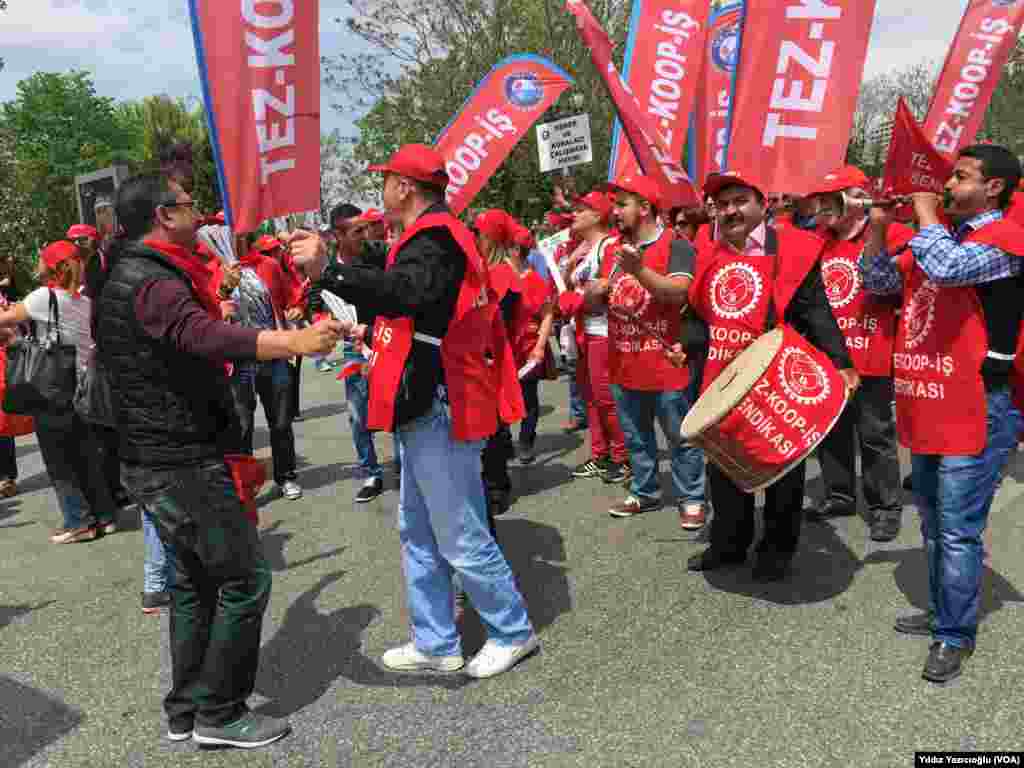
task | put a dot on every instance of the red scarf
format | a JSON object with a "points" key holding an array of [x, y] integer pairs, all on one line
{"points": [[200, 275]]}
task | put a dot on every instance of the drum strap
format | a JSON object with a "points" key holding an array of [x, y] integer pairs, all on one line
{"points": [[771, 249]]}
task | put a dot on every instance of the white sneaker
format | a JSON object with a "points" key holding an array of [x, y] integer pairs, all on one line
{"points": [[291, 490], [494, 659], [405, 658]]}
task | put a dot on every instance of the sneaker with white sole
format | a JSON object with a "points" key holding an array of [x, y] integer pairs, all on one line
{"points": [[178, 735], [493, 658], [249, 731], [406, 658], [372, 488], [291, 490]]}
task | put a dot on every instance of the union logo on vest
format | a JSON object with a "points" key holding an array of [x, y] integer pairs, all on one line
{"points": [[802, 378], [920, 314], [735, 290], [842, 281]]}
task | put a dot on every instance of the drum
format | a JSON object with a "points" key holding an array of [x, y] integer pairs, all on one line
{"points": [[767, 410]]}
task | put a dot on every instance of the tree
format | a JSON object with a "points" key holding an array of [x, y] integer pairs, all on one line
{"points": [[1004, 120], [342, 177], [59, 128], [427, 56]]}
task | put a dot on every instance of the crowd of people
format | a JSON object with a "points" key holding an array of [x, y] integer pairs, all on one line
{"points": [[455, 331]]}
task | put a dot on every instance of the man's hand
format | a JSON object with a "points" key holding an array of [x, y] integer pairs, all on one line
{"points": [[926, 207], [537, 355], [852, 379], [596, 291], [232, 277], [676, 355], [309, 252], [358, 333], [320, 338], [228, 310], [630, 259], [7, 335]]}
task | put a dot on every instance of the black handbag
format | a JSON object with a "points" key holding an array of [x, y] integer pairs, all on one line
{"points": [[94, 400], [41, 373]]}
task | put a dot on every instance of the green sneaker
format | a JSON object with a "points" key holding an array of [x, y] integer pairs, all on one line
{"points": [[248, 732]]}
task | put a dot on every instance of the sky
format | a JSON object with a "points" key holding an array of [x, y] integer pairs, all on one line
{"points": [[136, 48]]}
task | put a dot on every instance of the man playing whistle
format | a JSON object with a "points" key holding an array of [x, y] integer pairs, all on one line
{"points": [[955, 349], [748, 279]]}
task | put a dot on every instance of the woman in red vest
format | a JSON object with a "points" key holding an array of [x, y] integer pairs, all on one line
{"points": [[955, 350]]}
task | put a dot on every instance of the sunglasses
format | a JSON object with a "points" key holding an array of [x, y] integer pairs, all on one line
{"points": [[184, 204]]}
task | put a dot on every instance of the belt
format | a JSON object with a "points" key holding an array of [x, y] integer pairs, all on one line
{"points": [[433, 340]]}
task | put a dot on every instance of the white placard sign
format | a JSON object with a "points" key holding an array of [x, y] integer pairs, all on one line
{"points": [[564, 143], [547, 248]]}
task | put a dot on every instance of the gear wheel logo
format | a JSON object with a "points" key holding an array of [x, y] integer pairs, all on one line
{"points": [[803, 379], [919, 316], [736, 290], [842, 281]]}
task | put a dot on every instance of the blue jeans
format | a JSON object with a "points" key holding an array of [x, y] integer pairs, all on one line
{"points": [[443, 528], [637, 411], [954, 497], [357, 393], [157, 568]]}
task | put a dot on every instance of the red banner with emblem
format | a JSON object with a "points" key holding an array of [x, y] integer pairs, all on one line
{"points": [[652, 154], [913, 164], [799, 75], [982, 46], [496, 116], [663, 73], [709, 135], [259, 65]]}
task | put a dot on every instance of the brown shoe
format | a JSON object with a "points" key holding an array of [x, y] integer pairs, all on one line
{"points": [[8, 488], [73, 535], [692, 516], [632, 506]]}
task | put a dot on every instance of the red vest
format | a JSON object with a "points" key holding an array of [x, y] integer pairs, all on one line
{"points": [[940, 347], [475, 384], [868, 321], [636, 359], [730, 291]]}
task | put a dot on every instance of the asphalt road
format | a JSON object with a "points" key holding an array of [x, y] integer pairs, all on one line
{"points": [[642, 664]]}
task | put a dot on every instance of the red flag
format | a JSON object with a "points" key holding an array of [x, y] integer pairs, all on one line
{"points": [[712, 118], [505, 104], [913, 164], [800, 71], [663, 73], [986, 38], [650, 150], [259, 64]]}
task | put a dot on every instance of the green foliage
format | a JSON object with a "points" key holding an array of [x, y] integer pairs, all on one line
{"points": [[427, 57], [1004, 120]]}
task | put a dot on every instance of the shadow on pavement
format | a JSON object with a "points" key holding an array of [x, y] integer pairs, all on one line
{"points": [[274, 541], [824, 567], [310, 650], [323, 411], [535, 553], [9, 508], [9, 613], [29, 721], [911, 576]]}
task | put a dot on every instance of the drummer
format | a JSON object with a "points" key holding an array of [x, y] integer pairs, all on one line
{"points": [[750, 278], [955, 352], [869, 324]]}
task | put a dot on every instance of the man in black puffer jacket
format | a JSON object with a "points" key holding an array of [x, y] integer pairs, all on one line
{"points": [[160, 338]]}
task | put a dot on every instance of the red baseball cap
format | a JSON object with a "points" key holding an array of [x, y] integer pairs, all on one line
{"points": [[416, 161], [846, 177], [266, 243], [716, 182], [82, 230], [644, 186], [496, 224], [55, 253], [557, 220], [601, 202], [522, 237], [371, 215]]}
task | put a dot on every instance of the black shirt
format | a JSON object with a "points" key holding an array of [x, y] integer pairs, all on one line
{"points": [[423, 284]]}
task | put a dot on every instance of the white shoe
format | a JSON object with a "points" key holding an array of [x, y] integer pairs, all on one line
{"points": [[183, 736], [405, 658], [291, 490], [494, 659]]}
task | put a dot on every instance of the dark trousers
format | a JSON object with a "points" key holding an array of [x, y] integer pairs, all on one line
{"points": [[496, 455], [73, 456], [531, 399], [8, 459], [221, 589], [867, 421], [732, 527], [296, 373], [273, 386], [107, 443]]}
